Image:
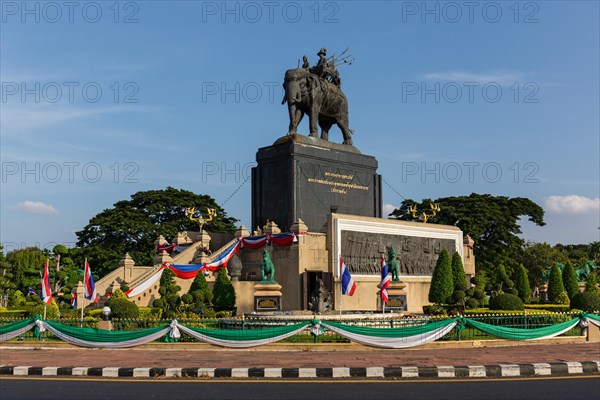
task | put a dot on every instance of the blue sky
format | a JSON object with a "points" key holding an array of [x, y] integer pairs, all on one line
{"points": [[100, 101]]}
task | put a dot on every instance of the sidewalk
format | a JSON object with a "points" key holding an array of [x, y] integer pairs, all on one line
{"points": [[272, 361]]}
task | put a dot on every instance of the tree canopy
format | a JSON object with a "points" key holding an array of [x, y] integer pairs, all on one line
{"points": [[133, 225], [492, 222]]}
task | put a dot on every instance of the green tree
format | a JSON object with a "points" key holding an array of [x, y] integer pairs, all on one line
{"points": [[522, 284], [569, 278], [7, 285], [224, 292], [538, 257], [169, 299], [555, 284], [123, 308], [492, 222], [503, 281], [458, 273], [26, 267], [442, 285], [133, 225], [591, 285], [200, 291]]}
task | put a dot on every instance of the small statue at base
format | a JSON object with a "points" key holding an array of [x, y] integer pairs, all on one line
{"points": [[267, 268], [320, 299], [392, 263]]}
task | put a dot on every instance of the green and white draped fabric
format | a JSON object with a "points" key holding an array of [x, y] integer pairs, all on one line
{"points": [[524, 334], [394, 338], [14, 329], [88, 337], [594, 319], [243, 338]]}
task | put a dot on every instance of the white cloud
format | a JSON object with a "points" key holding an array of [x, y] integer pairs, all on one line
{"points": [[571, 204], [502, 77], [387, 209], [36, 207]]}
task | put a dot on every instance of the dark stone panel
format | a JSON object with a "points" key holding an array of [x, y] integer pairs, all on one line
{"points": [[290, 373], [589, 367], [493, 371], [362, 252], [154, 372], [189, 372], [392, 372], [301, 179], [428, 372], [222, 372], [34, 371], [526, 370], [64, 371], [94, 372], [559, 369], [324, 372], [360, 372], [256, 372]]}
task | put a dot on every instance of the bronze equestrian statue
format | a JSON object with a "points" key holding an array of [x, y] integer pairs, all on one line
{"points": [[316, 92]]}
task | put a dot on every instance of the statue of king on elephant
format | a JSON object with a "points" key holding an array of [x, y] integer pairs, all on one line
{"points": [[307, 92]]}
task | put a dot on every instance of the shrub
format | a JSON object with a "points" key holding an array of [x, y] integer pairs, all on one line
{"points": [[591, 285], [555, 284], [586, 301], [51, 310], [471, 303], [150, 312], [118, 294], [506, 301], [441, 282], [522, 284], [478, 294], [435, 309], [458, 273], [224, 292], [201, 291], [563, 298], [458, 296], [123, 308], [569, 277]]}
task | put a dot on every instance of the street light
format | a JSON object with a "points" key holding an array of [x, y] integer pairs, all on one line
{"points": [[106, 312]]}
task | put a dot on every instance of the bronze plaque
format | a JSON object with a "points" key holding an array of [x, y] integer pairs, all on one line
{"points": [[416, 255], [267, 304], [396, 302]]}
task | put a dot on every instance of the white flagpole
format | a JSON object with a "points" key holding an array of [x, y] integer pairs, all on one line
{"points": [[83, 299]]}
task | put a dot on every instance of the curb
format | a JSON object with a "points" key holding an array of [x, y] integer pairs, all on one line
{"points": [[412, 372]]}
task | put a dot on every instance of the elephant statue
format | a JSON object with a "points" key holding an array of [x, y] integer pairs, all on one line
{"points": [[322, 101]]}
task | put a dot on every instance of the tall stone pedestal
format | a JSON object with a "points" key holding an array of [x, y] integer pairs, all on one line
{"points": [[267, 297], [308, 178], [396, 297]]}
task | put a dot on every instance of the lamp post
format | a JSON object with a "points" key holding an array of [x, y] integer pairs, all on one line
{"points": [[106, 324]]}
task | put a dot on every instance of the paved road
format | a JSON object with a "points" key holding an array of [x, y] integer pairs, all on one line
{"points": [[505, 389]]}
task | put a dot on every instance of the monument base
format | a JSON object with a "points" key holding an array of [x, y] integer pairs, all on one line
{"points": [[307, 178], [267, 297], [105, 325], [397, 297]]}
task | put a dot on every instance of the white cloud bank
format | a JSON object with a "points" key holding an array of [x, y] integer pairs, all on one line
{"points": [[571, 204], [36, 207]]}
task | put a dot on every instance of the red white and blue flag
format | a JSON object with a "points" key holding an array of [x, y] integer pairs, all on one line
{"points": [[348, 284], [385, 281], [46, 293], [74, 301], [88, 284], [31, 291]]}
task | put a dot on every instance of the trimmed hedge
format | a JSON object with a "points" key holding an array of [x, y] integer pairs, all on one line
{"points": [[506, 301], [548, 307], [586, 301]]}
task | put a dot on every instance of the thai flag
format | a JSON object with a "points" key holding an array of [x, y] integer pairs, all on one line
{"points": [[88, 284], [31, 291], [348, 284], [46, 293], [385, 281], [74, 301]]}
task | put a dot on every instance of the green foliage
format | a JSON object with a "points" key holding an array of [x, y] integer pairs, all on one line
{"points": [[26, 266], [563, 298], [591, 286], [17, 299], [7, 283], [522, 284], [503, 282], [224, 292], [150, 313], [458, 273], [442, 285], [471, 303], [492, 222], [569, 278], [555, 284], [200, 291], [586, 301], [52, 311], [506, 301], [118, 294], [548, 307], [133, 225], [169, 299], [122, 308]]}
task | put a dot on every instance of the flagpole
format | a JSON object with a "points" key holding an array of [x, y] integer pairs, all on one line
{"points": [[83, 299]]}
